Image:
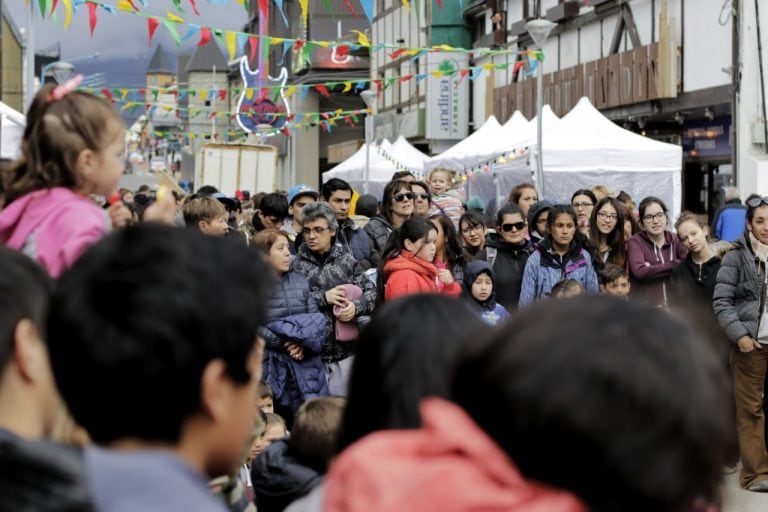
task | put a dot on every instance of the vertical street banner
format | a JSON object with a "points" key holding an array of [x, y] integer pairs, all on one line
{"points": [[447, 96]]}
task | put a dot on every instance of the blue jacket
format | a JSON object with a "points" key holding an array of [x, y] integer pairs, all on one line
{"points": [[545, 268], [292, 314], [729, 221], [490, 311]]}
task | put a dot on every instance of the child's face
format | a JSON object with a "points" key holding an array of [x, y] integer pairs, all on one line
{"points": [[618, 287], [265, 404], [482, 287], [439, 182], [215, 227], [273, 433], [103, 172]]}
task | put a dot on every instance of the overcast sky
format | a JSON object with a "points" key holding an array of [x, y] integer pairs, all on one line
{"points": [[122, 38]]}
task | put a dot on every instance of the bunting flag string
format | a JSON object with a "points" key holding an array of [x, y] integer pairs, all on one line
{"points": [[205, 33]]}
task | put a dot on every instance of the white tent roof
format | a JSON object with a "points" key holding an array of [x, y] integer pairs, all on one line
{"points": [[11, 132], [515, 124], [585, 149], [408, 156], [464, 154], [516, 133], [353, 168]]}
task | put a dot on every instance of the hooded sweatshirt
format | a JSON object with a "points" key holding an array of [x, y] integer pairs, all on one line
{"points": [[649, 282], [533, 212], [406, 275], [509, 266], [280, 477], [490, 311], [449, 464], [53, 226]]}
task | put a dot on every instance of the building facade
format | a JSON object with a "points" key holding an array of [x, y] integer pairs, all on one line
{"points": [[11, 61]]}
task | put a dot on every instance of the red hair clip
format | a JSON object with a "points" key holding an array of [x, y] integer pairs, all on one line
{"points": [[67, 87]]}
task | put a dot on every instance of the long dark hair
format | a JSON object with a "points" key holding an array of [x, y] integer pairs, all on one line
{"points": [[392, 373], [392, 188], [413, 229], [614, 239], [453, 251]]}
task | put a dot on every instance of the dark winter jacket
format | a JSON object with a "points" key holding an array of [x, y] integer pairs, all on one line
{"points": [[279, 477], [739, 292], [294, 382], [729, 221], [490, 311], [649, 282], [378, 229], [359, 243], [41, 476], [509, 266], [327, 271], [533, 212], [690, 281]]}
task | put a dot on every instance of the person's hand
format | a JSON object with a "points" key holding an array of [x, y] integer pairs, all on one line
{"points": [[747, 344], [120, 215], [348, 313], [445, 276], [163, 210], [336, 296], [294, 350]]}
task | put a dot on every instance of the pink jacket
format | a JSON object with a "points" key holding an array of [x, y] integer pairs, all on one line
{"points": [[53, 226], [449, 464]]}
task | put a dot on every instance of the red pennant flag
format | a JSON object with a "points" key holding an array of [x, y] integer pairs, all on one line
{"points": [[342, 51], [152, 24], [92, 16], [352, 9], [440, 4], [205, 36], [263, 8], [194, 7], [142, 92], [405, 78], [519, 64], [263, 94], [290, 118], [286, 131], [106, 92], [348, 120], [53, 6], [213, 114], [326, 115], [379, 86], [323, 90], [395, 54], [299, 44], [222, 94], [253, 41]]}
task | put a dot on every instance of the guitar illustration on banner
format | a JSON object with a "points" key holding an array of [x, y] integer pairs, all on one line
{"points": [[259, 109]]}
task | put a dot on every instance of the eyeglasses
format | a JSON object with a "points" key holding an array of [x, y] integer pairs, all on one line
{"points": [[658, 216], [406, 196], [421, 196], [583, 205], [469, 229], [317, 231], [517, 226], [607, 216], [758, 201]]}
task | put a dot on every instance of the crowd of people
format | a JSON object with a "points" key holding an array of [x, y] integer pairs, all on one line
{"points": [[324, 350]]}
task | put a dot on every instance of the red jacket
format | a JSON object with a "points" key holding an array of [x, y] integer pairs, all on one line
{"points": [[407, 275], [449, 465]]}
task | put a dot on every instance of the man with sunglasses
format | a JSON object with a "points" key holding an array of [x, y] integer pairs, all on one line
{"points": [[338, 193]]}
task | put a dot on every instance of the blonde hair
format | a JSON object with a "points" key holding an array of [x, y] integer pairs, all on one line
{"points": [[57, 132], [202, 209], [600, 191], [451, 173]]}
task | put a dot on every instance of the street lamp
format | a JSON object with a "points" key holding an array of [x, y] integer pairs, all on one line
{"points": [[369, 97], [539, 30], [62, 70]]}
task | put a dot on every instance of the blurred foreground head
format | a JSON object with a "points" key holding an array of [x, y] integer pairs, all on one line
{"points": [[614, 401]]}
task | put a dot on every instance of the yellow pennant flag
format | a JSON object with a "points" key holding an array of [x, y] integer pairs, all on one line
{"points": [[488, 66], [323, 44], [202, 94], [68, 15], [123, 93], [289, 92], [304, 8], [122, 5], [362, 39], [127, 106], [347, 87], [407, 4], [249, 93], [437, 74], [276, 40], [230, 38], [172, 17]]}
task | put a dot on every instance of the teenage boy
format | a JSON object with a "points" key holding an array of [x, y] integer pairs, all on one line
{"points": [[338, 193], [34, 475], [273, 209], [165, 373], [207, 215], [298, 197], [614, 281]]}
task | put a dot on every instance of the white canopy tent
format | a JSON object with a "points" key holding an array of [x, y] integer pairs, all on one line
{"points": [[352, 170], [463, 155], [408, 156], [11, 132], [585, 149]]}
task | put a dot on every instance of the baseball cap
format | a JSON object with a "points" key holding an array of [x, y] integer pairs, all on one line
{"points": [[301, 190]]}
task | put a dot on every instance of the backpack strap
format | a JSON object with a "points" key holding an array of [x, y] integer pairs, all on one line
{"points": [[490, 255]]}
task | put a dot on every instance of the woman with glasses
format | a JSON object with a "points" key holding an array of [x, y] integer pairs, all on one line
{"points": [[583, 201], [407, 264], [507, 251], [653, 253], [421, 198], [472, 231], [396, 208], [606, 233], [559, 256], [740, 305], [330, 268]]}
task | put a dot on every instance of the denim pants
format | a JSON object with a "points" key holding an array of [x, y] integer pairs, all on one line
{"points": [[749, 374]]}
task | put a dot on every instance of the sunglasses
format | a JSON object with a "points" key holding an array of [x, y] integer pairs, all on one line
{"points": [[421, 196], [758, 201], [406, 196], [517, 226]]}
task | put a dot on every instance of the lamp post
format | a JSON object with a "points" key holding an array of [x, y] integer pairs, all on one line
{"points": [[369, 97], [539, 30], [63, 69]]}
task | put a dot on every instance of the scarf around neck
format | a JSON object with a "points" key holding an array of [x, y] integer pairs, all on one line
{"points": [[759, 248]]}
